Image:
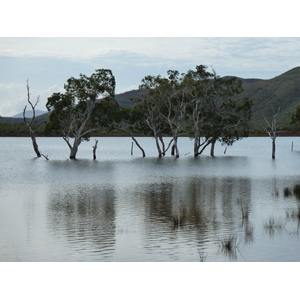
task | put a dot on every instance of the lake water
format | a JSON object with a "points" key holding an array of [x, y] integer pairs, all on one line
{"points": [[123, 207]]}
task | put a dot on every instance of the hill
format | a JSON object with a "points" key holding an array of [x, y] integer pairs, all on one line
{"points": [[28, 113], [281, 92], [124, 98], [41, 119]]}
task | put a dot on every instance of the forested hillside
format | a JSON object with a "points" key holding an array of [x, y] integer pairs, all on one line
{"points": [[281, 92]]}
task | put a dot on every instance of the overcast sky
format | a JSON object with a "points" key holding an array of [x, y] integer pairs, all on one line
{"points": [[48, 62]]}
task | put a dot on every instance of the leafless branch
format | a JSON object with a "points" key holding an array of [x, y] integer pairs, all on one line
{"points": [[32, 107]]}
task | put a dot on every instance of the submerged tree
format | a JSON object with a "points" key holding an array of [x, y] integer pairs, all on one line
{"points": [[164, 108], [198, 102], [201, 89], [30, 122], [153, 109], [176, 97], [77, 113], [224, 118], [272, 131]]}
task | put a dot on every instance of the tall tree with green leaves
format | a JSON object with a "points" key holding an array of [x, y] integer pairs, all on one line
{"points": [[77, 113], [200, 85], [198, 102], [176, 101], [151, 107], [224, 118], [164, 107]]}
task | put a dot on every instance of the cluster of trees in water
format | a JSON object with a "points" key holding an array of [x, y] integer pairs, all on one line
{"points": [[198, 103]]}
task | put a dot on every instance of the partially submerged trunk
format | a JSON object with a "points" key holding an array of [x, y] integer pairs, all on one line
{"points": [[160, 153], [175, 150], [160, 145], [73, 152], [272, 131], [34, 143], [28, 124], [273, 148], [157, 140], [212, 148], [163, 145], [196, 145], [134, 139], [73, 148], [94, 149]]}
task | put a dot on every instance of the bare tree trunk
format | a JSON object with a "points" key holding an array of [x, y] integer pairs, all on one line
{"points": [[134, 139], [196, 145], [207, 142], [34, 143], [272, 131], [169, 145], [94, 149], [74, 148], [273, 148], [158, 146], [163, 145], [212, 148], [175, 150], [28, 124]]}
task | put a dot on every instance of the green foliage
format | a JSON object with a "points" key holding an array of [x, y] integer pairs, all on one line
{"points": [[281, 91], [76, 113], [295, 118], [61, 107], [20, 129], [198, 102], [88, 88]]}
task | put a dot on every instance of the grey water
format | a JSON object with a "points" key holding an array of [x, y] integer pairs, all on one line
{"points": [[122, 207]]}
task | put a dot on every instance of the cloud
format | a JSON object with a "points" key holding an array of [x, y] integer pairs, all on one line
{"points": [[204, 50], [13, 97], [49, 62]]}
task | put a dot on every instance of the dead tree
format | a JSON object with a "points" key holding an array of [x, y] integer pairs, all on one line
{"points": [[272, 131], [29, 123]]}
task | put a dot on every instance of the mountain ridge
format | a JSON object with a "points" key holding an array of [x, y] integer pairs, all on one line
{"points": [[28, 114]]}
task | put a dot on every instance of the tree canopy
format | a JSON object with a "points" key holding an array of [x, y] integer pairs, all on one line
{"points": [[77, 113], [198, 103]]}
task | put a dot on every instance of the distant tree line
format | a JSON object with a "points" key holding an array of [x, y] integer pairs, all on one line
{"points": [[20, 129]]}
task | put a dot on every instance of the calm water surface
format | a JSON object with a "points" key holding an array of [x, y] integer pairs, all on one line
{"points": [[127, 208]]}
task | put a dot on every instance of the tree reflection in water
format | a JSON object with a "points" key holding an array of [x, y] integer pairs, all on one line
{"points": [[173, 219], [195, 211], [85, 215]]}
